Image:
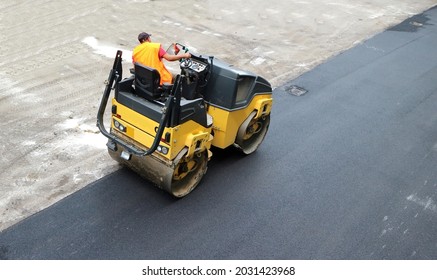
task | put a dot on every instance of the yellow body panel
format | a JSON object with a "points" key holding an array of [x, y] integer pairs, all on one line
{"points": [[141, 130], [195, 137], [227, 123]]}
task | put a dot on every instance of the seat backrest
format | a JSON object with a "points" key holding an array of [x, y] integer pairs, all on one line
{"points": [[147, 81]]}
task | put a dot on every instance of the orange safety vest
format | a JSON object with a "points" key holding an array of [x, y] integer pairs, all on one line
{"points": [[147, 54]]}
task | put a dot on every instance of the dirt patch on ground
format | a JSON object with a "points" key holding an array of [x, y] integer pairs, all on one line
{"points": [[56, 55]]}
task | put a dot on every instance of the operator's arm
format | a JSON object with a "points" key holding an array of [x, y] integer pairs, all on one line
{"points": [[174, 57]]}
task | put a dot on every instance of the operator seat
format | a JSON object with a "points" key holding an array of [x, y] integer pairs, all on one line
{"points": [[147, 82]]}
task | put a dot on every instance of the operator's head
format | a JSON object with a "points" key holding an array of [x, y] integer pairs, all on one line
{"points": [[143, 37]]}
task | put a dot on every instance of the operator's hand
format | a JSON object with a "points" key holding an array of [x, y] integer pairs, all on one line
{"points": [[173, 57]]}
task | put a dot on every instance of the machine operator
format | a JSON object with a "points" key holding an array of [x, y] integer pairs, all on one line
{"points": [[151, 54]]}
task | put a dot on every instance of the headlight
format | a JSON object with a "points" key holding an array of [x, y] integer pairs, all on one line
{"points": [[162, 149], [119, 126]]}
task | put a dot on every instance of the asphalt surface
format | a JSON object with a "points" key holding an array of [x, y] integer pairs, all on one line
{"points": [[348, 170]]}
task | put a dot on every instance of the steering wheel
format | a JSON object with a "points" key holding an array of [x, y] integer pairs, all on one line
{"points": [[186, 63]]}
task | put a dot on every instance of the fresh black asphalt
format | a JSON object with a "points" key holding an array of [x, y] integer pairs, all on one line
{"points": [[348, 170]]}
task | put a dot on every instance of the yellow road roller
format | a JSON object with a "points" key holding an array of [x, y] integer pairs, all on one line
{"points": [[165, 132]]}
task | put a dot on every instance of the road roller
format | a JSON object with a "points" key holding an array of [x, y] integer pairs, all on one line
{"points": [[165, 132]]}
